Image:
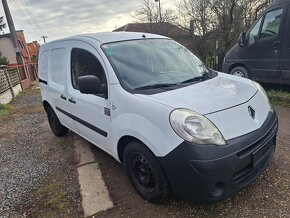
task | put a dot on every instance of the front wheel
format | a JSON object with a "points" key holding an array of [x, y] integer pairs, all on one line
{"points": [[145, 172], [240, 71]]}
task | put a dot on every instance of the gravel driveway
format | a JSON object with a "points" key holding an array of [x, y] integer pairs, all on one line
{"points": [[38, 176]]}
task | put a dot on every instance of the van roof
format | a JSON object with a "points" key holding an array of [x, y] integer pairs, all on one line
{"points": [[107, 37], [279, 2]]}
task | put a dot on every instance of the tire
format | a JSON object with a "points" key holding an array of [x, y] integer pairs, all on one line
{"points": [[240, 71], [57, 128], [145, 172]]}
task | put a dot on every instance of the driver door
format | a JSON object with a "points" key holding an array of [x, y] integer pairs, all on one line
{"points": [[264, 48], [90, 112]]}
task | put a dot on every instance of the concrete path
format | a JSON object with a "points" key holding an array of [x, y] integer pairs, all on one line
{"points": [[95, 195]]}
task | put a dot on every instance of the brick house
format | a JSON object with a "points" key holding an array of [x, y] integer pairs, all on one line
{"points": [[27, 72], [33, 49]]}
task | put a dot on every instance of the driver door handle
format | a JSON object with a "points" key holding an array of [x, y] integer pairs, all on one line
{"points": [[71, 100], [276, 44], [63, 97]]}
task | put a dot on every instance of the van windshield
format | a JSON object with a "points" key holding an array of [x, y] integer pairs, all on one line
{"points": [[154, 64]]}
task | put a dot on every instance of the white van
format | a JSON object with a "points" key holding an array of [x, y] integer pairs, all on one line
{"points": [[177, 126]]}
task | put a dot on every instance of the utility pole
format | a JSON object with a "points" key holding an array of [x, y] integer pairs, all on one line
{"points": [[159, 10], [11, 26], [14, 39], [44, 38], [217, 54]]}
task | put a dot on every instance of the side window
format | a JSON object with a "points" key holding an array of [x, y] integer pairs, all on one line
{"points": [[57, 66], [271, 24], [85, 63], [254, 33], [43, 64]]}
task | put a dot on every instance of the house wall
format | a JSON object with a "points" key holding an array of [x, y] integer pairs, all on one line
{"points": [[33, 48], [7, 49], [23, 45]]}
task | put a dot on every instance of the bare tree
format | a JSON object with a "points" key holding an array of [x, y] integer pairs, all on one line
{"points": [[149, 13], [221, 20], [199, 13]]}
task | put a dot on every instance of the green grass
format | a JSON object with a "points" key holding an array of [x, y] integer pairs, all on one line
{"points": [[279, 97], [4, 109], [52, 196]]}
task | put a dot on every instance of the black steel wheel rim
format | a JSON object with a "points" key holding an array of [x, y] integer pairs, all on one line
{"points": [[142, 172]]}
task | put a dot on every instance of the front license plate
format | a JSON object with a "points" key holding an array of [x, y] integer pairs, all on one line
{"points": [[259, 153]]}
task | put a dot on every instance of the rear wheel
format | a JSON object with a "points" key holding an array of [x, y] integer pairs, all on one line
{"points": [[145, 172], [240, 71], [57, 128]]}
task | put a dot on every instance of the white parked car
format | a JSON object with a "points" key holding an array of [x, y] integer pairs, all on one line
{"points": [[153, 105]]}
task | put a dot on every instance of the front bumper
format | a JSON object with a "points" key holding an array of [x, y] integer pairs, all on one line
{"points": [[212, 173], [226, 67]]}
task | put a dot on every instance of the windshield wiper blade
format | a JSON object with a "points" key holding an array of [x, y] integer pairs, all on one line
{"points": [[204, 76], [156, 86]]}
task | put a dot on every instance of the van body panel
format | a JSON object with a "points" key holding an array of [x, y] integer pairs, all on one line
{"points": [[285, 51], [89, 109], [55, 88], [235, 110], [266, 59], [231, 130], [240, 93], [223, 90], [139, 120]]}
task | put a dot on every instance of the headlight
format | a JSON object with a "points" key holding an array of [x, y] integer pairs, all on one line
{"points": [[195, 128], [264, 94]]}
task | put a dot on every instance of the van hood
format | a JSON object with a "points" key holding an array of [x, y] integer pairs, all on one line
{"points": [[216, 94]]}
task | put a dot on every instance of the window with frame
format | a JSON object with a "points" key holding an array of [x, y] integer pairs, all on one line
{"points": [[254, 33], [84, 63], [271, 25]]}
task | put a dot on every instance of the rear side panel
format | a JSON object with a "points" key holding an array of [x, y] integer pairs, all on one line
{"points": [[52, 69], [43, 72]]}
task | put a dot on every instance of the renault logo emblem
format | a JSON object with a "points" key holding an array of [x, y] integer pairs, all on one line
{"points": [[252, 112]]}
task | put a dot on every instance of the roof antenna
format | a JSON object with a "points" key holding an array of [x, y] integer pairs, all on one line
{"points": [[144, 37]]}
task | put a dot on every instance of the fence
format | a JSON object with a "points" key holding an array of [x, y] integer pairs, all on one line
{"points": [[9, 84], [27, 73]]}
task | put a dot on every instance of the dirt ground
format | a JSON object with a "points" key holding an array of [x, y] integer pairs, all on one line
{"points": [[38, 175], [268, 196]]}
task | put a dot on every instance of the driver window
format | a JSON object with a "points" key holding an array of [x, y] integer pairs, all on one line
{"points": [[85, 63], [254, 33], [271, 24]]}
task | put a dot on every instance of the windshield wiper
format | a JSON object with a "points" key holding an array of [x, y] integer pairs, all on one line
{"points": [[204, 76], [156, 86]]}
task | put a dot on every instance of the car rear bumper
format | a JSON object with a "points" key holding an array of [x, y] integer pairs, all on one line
{"points": [[211, 173]]}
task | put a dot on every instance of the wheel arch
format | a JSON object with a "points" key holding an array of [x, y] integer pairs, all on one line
{"points": [[123, 142], [46, 105], [239, 65]]}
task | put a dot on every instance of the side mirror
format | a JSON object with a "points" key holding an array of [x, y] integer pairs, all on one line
{"points": [[242, 40], [90, 85]]}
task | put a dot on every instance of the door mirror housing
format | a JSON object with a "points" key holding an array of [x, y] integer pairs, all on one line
{"points": [[90, 84], [243, 40]]}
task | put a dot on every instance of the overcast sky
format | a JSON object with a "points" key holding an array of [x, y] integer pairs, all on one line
{"points": [[61, 18]]}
